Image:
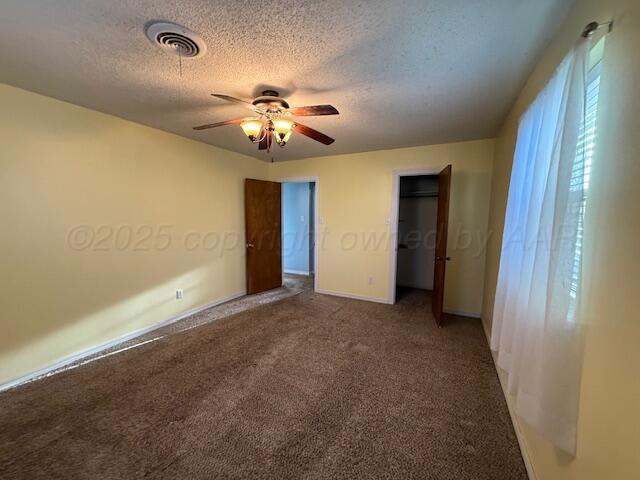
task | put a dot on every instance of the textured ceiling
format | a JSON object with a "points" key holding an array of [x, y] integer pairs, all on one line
{"points": [[401, 72]]}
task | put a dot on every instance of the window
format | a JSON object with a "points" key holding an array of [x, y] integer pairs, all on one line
{"points": [[581, 174], [535, 318]]}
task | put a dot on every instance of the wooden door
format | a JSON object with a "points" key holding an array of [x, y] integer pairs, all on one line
{"points": [[444, 186], [263, 233]]}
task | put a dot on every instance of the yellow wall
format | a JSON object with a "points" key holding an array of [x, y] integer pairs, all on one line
{"points": [[355, 197], [146, 196], [62, 166], [609, 423]]}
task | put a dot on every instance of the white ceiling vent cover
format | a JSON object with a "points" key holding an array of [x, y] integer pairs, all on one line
{"points": [[176, 39]]}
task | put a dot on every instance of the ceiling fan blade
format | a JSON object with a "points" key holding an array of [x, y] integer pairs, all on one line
{"points": [[311, 133], [235, 121], [228, 98], [313, 110]]}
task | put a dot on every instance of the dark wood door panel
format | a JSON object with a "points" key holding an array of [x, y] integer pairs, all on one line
{"points": [[263, 233], [444, 187]]}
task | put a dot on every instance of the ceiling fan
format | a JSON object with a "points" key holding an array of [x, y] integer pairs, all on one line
{"points": [[273, 123]]}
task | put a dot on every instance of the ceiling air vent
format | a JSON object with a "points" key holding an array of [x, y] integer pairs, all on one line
{"points": [[176, 39]]}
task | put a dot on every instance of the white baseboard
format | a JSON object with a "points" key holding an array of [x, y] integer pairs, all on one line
{"points": [[524, 450], [387, 301], [461, 313], [63, 362], [297, 272], [353, 296]]}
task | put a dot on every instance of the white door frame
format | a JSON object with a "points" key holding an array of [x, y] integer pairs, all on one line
{"points": [[393, 227], [316, 223]]}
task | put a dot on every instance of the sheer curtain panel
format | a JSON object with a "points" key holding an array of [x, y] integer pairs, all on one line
{"points": [[536, 331]]}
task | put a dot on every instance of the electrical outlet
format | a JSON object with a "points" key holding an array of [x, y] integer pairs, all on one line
{"points": [[179, 294]]}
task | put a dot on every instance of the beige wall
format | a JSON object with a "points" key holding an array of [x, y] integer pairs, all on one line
{"points": [[146, 197], [355, 197], [609, 423], [63, 166]]}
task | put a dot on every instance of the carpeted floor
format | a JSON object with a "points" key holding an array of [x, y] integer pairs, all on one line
{"points": [[292, 285], [310, 387]]}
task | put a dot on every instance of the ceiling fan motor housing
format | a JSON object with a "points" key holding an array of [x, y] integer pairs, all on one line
{"points": [[269, 100]]}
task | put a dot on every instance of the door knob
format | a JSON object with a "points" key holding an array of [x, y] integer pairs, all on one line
{"points": [[250, 245], [443, 258]]}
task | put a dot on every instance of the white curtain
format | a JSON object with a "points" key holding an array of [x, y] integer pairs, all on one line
{"points": [[536, 330]]}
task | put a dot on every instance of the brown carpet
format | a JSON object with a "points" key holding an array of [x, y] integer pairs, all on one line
{"points": [[308, 387], [293, 285]]}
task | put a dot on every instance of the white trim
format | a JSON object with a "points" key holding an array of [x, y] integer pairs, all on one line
{"points": [[395, 204], [296, 272], [316, 221], [353, 296], [462, 313], [63, 362], [524, 450]]}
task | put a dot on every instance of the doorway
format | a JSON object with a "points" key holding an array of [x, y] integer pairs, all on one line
{"points": [[417, 223], [420, 224], [298, 233]]}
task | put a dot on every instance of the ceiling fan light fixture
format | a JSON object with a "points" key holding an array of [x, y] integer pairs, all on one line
{"points": [[282, 130], [284, 140], [252, 128], [273, 124]]}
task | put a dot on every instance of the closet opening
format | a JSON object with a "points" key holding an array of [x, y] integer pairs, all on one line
{"points": [[421, 222], [417, 227]]}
